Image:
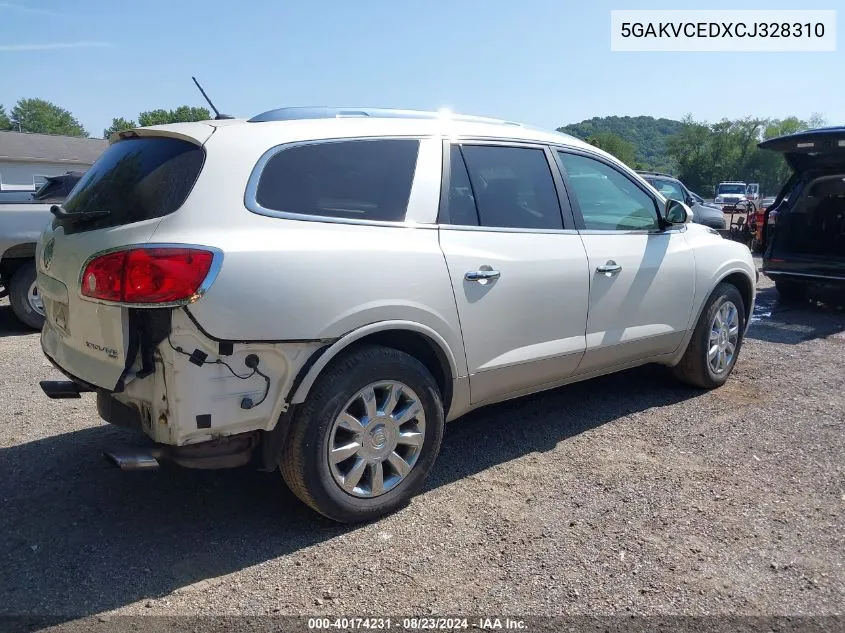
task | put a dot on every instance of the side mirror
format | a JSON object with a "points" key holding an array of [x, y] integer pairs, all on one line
{"points": [[677, 212]]}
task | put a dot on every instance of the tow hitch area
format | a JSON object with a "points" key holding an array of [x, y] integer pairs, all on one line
{"points": [[223, 452], [58, 389]]}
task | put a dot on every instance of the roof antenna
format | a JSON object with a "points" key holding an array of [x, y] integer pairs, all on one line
{"points": [[216, 111]]}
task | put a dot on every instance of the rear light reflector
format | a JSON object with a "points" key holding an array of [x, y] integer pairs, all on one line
{"points": [[147, 275]]}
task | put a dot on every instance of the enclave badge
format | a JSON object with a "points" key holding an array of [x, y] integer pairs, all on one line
{"points": [[47, 255]]}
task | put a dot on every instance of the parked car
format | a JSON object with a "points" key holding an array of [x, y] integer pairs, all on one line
{"points": [[699, 200], [322, 289], [670, 187], [23, 215], [804, 241]]}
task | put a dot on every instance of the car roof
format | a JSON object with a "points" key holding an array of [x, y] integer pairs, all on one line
{"points": [[322, 122]]}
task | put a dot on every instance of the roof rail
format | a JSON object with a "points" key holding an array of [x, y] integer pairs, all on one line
{"points": [[323, 112]]}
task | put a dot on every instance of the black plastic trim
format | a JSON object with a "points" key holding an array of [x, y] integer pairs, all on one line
{"points": [[248, 341]]}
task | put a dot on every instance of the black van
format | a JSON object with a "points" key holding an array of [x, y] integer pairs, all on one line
{"points": [[804, 240]]}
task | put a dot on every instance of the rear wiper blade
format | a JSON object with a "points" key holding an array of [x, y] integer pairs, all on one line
{"points": [[62, 214]]}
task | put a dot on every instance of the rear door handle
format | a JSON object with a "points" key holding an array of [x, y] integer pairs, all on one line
{"points": [[609, 269], [482, 276]]}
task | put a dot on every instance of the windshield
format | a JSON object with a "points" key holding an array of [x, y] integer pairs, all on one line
{"points": [[731, 189]]}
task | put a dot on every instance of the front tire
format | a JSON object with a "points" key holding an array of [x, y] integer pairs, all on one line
{"points": [[714, 347], [366, 437], [24, 297]]}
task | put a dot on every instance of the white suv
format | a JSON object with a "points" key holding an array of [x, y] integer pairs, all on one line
{"points": [[319, 290]]}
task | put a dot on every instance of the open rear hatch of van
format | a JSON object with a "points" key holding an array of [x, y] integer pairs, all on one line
{"points": [[91, 333], [808, 236]]}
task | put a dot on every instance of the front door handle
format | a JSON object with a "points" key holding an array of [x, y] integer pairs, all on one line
{"points": [[609, 269], [482, 276]]}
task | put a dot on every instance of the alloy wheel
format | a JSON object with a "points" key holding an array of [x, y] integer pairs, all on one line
{"points": [[376, 440]]}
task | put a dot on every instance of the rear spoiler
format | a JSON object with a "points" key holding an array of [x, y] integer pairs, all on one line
{"points": [[197, 133]]}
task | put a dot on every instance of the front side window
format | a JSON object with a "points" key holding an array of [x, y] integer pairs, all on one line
{"points": [[358, 179], [512, 187], [608, 200]]}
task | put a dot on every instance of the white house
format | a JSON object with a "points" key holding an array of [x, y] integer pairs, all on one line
{"points": [[27, 159]]}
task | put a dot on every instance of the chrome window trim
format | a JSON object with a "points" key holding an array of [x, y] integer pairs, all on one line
{"points": [[251, 200], [677, 229], [213, 272], [503, 229]]}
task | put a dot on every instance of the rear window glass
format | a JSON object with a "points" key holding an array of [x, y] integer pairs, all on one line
{"points": [[137, 179], [363, 180]]}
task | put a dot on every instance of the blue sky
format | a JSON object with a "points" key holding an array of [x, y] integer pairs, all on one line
{"points": [[542, 62]]}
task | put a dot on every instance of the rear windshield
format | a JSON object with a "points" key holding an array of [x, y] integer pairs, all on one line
{"points": [[360, 179], [137, 179]]}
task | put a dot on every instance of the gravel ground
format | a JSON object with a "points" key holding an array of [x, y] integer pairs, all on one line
{"points": [[628, 494]]}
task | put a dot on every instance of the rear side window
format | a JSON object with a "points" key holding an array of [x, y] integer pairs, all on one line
{"points": [[512, 187], [137, 179], [361, 179]]}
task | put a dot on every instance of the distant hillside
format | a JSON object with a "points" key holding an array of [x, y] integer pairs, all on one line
{"points": [[647, 134]]}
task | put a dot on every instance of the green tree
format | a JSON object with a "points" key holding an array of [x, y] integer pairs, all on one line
{"points": [[118, 125], [727, 150], [43, 117], [182, 114], [5, 121], [616, 145], [647, 134]]}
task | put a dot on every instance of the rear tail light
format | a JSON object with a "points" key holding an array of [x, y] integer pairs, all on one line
{"points": [[147, 275]]}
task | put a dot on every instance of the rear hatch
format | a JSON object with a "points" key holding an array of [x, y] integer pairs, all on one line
{"points": [[806, 233], [142, 177]]}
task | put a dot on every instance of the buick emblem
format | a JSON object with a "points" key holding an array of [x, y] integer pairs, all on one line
{"points": [[47, 255]]}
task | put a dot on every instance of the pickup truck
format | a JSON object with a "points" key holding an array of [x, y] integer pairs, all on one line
{"points": [[23, 215]]}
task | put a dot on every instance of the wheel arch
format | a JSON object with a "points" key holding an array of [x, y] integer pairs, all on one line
{"points": [[742, 282], [738, 277], [415, 339], [14, 257]]}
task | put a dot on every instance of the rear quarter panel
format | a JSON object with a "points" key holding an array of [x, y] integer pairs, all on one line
{"points": [[296, 280]]}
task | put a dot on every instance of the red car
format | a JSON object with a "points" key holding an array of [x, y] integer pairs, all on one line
{"points": [[759, 222]]}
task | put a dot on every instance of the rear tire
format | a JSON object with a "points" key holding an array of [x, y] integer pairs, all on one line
{"points": [[335, 420], [790, 290], [697, 365], [24, 304]]}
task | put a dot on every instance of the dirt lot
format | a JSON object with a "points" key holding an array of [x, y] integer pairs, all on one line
{"points": [[628, 494]]}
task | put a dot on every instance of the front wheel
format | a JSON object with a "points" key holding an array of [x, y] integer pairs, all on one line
{"points": [[24, 297], [366, 437], [714, 347]]}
